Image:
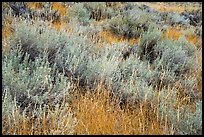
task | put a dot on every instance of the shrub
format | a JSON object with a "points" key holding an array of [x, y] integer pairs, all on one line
{"points": [[130, 23], [101, 66], [46, 56], [109, 67], [46, 121], [32, 83], [175, 18], [176, 56], [37, 36], [171, 60], [149, 39], [57, 45], [99, 10], [183, 120], [80, 13]]}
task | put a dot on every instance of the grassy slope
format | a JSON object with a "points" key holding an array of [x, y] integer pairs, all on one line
{"points": [[95, 112]]}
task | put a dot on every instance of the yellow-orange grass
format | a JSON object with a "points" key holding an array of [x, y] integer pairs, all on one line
{"points": [[34, 5], [193, 39], [58, 6], [175, 33], [172, 33], [111, 38], [59, 25], [53, 123], [6, 31], [164, 7], [97, 113], [198, 74]]}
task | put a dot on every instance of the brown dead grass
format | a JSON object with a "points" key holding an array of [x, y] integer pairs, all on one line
{"points": [[198, 74]]}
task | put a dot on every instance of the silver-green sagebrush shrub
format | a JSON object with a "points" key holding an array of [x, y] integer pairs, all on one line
{"points": [[149, 39], [183, 120], [38, 38], [79, 13], [101, 66], [177, 58], [174, 57], [66, 51], [175, 18], [134, 79], [32, 83], [100, 10], [130, 23], [170, 60], [86, 12]]}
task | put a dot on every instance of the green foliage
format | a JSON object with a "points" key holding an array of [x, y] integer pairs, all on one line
{"points": [[149, 39], [57, 45], [176, 56], [42, 62], [183, 120], [175, 18], [130, 23], [99, 10], [101, 66], [80, 13], [170, 60], [32, 82]]}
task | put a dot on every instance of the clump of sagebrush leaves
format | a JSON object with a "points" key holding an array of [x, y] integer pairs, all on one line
{"points": [[32, 84], [40, 64], [131, 22]]}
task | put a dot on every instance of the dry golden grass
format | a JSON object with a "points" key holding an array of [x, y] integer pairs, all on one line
{"points": [[34, 5], [6, 30], [110, 38], [58, 6], [193, 39], [57, 25], [198, 73], [175, 33], [98, 113], [172, 33], [51, 122]]}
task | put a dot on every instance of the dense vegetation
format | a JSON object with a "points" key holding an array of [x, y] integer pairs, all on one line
{"points": [[101, 68]]}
